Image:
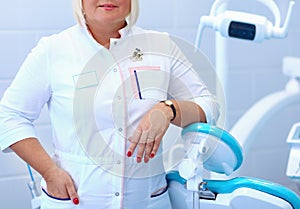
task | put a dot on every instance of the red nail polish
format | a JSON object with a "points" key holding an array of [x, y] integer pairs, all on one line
{"points": [[129, 154], [76, 201], [152, 155]]}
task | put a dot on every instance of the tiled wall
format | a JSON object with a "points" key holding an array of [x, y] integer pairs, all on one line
{"points": [[254, 71]]}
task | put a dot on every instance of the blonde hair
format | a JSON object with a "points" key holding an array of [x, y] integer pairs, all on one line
{"points": [[80, 19]]}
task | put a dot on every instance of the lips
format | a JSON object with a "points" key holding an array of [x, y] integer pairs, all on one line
{"points": [[108, 6]]}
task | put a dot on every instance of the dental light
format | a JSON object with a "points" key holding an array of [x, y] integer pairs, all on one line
{"points": [[244, 25]]}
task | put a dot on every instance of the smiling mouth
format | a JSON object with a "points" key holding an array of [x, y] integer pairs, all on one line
{"points": [[108, 6]]}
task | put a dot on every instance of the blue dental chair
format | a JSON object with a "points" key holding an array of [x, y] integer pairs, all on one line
{"points": [[211, 148]]}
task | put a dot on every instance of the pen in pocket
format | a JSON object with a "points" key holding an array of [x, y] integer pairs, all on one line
{"points": [[137, 84]]}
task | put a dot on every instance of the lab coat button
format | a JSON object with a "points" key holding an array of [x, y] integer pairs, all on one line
{"points": [[115, 70], [117, 194], [120, 129], [119, 97], [118, 162], [115, 42]]}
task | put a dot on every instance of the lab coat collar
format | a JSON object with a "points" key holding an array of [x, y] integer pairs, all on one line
{"points": [[124, 32]]}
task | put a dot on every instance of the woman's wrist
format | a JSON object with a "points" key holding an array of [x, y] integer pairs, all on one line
{"points": [[48, 171], [168, 108]]}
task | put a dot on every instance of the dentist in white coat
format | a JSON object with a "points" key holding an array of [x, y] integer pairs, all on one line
{"points": [[112, 90]]}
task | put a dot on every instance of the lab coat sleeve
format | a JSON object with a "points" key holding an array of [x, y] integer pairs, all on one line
{"points": [[24, 99], [186, 84]]}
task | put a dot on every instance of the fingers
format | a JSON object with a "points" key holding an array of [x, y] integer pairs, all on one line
{"points": [[72, 192], [140, 153], [143, 142], [141, 146], [155, 147], [60, 184], [134, 141], [148, 150], [145, 139]]}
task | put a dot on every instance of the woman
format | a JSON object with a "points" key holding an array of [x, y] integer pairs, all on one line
{"points": [[112, 90]]}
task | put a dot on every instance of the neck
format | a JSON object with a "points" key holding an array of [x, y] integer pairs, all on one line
{"points": [[102, 34]]}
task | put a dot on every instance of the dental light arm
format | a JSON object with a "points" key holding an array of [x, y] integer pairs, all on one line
{"points": [[245, 25]]}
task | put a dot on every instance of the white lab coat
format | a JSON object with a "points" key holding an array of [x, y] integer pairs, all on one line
{"points": [[96, 98]]}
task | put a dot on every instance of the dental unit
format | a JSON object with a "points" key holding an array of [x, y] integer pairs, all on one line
{"points": [[211, 148], [220, 152]]}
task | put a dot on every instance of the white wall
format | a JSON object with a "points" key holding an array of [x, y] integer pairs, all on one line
{"points": [[22, 23], [255, 71]]}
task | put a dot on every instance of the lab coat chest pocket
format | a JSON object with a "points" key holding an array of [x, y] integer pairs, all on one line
{"points": [[149, 82]]}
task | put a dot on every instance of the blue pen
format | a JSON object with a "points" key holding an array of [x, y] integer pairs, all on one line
{"points": [[138, 84]]}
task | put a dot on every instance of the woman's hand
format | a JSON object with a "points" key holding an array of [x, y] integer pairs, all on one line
{"points": [[60, 184], [149, 133]]}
